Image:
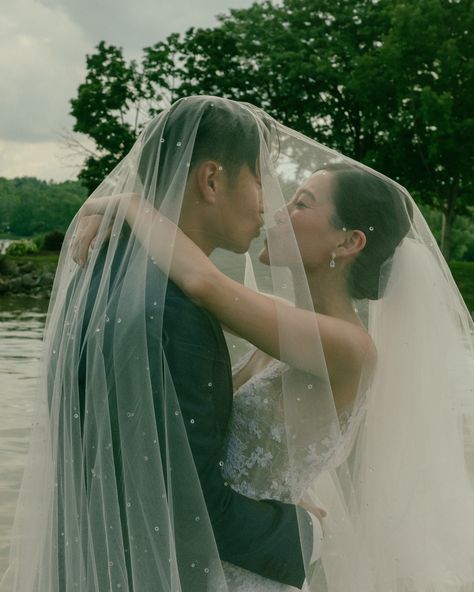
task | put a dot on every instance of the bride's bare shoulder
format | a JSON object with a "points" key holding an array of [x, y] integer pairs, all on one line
{"points": [[352, 372]]}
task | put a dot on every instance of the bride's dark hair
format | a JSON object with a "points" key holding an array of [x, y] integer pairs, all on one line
{"points": [[363, 201]]}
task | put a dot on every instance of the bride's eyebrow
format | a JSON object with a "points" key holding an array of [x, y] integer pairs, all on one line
{"points": [[307, 193]]}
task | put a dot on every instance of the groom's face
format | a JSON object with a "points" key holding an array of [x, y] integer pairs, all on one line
{"points": [[240, 210]]}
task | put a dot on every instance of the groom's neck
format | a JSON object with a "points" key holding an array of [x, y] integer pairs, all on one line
{"points": [[199, 238], [194, 222]]}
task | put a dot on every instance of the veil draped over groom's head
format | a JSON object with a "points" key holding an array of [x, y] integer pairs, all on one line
{"points": [[112, 501]]}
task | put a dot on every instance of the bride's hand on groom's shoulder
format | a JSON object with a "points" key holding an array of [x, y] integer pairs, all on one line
{"points": [[85, 236], [90, 218]]}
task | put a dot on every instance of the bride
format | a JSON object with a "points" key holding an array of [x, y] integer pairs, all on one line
{"points": [[356, 397]]}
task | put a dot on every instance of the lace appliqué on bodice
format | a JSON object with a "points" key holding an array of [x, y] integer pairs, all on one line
{"points": [[257, 463]]}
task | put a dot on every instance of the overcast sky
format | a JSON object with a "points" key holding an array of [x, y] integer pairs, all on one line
{"points": [[43, 44]]}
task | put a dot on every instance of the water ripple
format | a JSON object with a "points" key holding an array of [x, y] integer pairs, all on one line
{"points": [[21, 335]]}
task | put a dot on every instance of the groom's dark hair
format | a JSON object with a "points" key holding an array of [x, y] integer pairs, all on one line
{"points": [[227, 132], [229, 137]]}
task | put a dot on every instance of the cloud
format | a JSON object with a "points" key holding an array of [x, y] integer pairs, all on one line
{"points": [[42, 59], [135, 25], [43, 45], [45, 160]]}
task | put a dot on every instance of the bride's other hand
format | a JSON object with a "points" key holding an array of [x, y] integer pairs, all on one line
{"points": [[314, 510]]}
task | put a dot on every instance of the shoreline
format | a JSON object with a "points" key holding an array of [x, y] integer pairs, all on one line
{"points": [[28, 276], [32, 276]]}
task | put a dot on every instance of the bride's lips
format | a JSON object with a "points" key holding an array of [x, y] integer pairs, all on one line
{"points": [[277, 233]]}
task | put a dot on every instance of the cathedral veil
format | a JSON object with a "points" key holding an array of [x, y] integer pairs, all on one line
{"points": [[111, 498]]}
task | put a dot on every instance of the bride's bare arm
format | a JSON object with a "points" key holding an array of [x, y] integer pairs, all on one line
{"points": [[261, 320], [256, 317]]}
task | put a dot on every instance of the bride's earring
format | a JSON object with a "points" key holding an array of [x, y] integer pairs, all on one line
{"points": [[332, 263]]}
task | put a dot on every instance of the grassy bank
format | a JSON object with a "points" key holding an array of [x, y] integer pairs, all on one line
{"points": [[463, 271]]}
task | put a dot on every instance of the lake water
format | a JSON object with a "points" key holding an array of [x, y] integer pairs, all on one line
{"points": [[21, 330]]}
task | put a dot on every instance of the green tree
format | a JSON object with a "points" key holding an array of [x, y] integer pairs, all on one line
{"points": [[160, 71], [107, 109], [387, 82], [117, 97], [299, 60], [426, 70]]}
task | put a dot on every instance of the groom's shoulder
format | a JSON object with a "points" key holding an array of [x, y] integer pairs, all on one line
{"points": [[175, 297], [180, 309], [186, 322]]}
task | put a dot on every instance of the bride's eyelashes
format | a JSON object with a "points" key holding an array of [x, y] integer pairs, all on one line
{"points": [[300, 205]]}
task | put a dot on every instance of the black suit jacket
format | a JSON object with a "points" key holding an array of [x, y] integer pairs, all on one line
{"points": [[260, 536]]}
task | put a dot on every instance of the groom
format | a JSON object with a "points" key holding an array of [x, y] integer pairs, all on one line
{"points": [[222, 208]]}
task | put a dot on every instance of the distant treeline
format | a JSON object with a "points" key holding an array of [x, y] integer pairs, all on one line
{"points": [[33, 208], [30, 207]]}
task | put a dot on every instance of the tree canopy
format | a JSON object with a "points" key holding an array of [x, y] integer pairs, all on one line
{"points": [[387, 82]]}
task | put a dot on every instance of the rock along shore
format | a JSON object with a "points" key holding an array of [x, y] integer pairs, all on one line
{"points": [[26, 278]]}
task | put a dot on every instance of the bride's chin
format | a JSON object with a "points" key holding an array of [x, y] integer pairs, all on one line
{"points": [[264, 257]]}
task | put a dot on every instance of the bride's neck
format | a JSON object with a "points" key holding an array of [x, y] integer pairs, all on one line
{"points": [[328, 293]]}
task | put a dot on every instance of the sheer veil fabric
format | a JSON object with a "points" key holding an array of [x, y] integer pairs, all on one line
{"points": [[111, 498]]}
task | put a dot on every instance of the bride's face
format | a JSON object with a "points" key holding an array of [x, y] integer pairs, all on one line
{"points": [[308, 221]]}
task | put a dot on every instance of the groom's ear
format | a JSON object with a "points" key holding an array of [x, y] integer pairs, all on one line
{"points": [[209, 177]]}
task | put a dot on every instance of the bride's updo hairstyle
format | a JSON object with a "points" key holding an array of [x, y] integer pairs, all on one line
{"points": [[368, 203]]}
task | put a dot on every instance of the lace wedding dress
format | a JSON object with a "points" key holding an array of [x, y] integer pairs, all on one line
{"points": [[257, 465]]}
